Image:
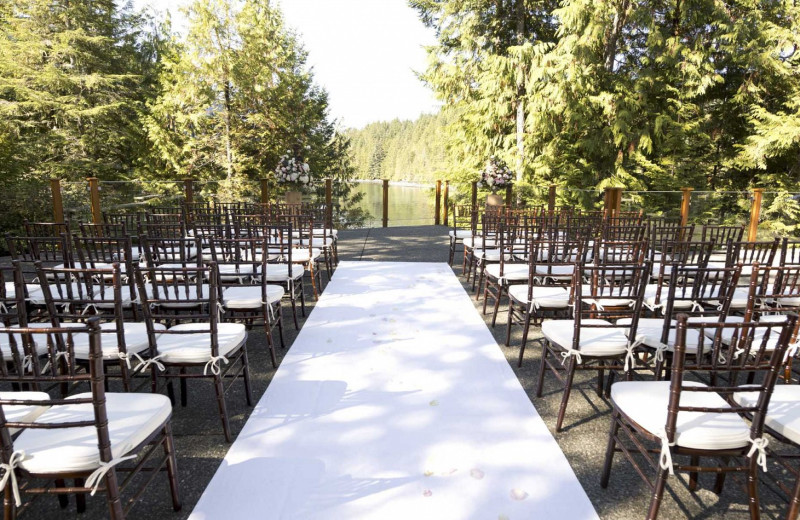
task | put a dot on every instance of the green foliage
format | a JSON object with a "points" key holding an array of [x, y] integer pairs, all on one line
{"points": [[649, 96], [413, 151]]}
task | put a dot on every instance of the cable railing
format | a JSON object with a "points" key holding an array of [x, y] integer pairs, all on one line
{"points": [[359, 204]]}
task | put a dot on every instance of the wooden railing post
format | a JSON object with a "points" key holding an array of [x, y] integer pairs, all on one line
{"points": [[329, 202], [437, 207], [58, 201], [686, 201], [551, 199], [385, 203], [474, 194], [613, 202], [509, 194], [264, 191], [188, 188], [446, 201], [755, 214], [94, 198]]}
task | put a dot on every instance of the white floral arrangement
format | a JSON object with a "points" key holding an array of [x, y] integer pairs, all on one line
{"points": [[496, 174], [292, 170]]}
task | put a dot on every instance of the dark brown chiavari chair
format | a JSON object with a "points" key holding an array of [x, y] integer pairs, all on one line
{"points": [[590, 340], [722, 234], [548, 292], [283, 269], [512, 268], [88, 437], [76, 294], [243, 267], [199, 346], [701, 420]]}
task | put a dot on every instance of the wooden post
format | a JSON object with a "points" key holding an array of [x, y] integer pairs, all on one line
{"points": [[613, 202], [94, 197], [58, 201], [474, 194], [437, 207], [551, 199], [755, 214], [329, 203], [446, 200], [385, 203], [685, 203], [264, 191], [188, 188], [509, 194]]}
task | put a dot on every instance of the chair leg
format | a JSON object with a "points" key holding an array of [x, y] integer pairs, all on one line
{"points": [[542, 367], [567, 390], [9, 507], [80, 498], [112, 495], [658, 494], [280, 325], [63, 500], [246, 375], [270, 342], [172, 466], [500, 290], [694, 460], [223, 410], [600, 381], [612, 444], [794, 502], [302, 297], [525, 330], [509, 322]]}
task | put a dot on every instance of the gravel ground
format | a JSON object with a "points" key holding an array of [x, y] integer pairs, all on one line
{"points": [[201, 446]]}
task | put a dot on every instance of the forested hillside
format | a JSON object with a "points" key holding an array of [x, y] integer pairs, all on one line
{"points": [[401, 150]]}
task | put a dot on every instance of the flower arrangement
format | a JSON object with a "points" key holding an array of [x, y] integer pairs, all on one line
{"points": [[293, 171], [496, 174]]}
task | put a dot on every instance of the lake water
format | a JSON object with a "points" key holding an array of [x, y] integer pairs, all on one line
{"points": [[408, 205]]}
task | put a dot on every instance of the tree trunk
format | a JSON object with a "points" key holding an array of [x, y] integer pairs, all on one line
{"points": [[611, 45], [228, 148], [520, 96]]}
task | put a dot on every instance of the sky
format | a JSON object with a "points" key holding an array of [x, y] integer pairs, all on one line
{"points": [[363, 52]]}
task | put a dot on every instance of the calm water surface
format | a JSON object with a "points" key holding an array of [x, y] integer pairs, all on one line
{"points": [[408, 205]]}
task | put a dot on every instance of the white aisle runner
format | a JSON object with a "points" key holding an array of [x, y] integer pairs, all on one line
{"points": [[394, 402]]}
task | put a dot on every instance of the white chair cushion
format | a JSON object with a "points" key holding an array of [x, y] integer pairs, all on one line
{"points": [[594, 341], [196, 347], [136, 340], [325, 232], [132, 418], [23, 413], [645, 402], [249, 296], [34, 291], [461, 234], [177, 293], [649, 330], [544, 296], [302, 256], [511, 272], [783, 414], [280, 272], [40, 342], [490, 255], [555, 271], [107, 295]]}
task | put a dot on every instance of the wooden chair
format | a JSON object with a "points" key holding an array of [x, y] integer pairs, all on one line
{"points": [[195, 343], [88, 437], [513, 268], [701, 419], [76, 294], [590, 340], [243, 268]]}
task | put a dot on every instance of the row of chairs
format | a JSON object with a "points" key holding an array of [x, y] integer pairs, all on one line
{"points": [[97, 306], [649, 301]]}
